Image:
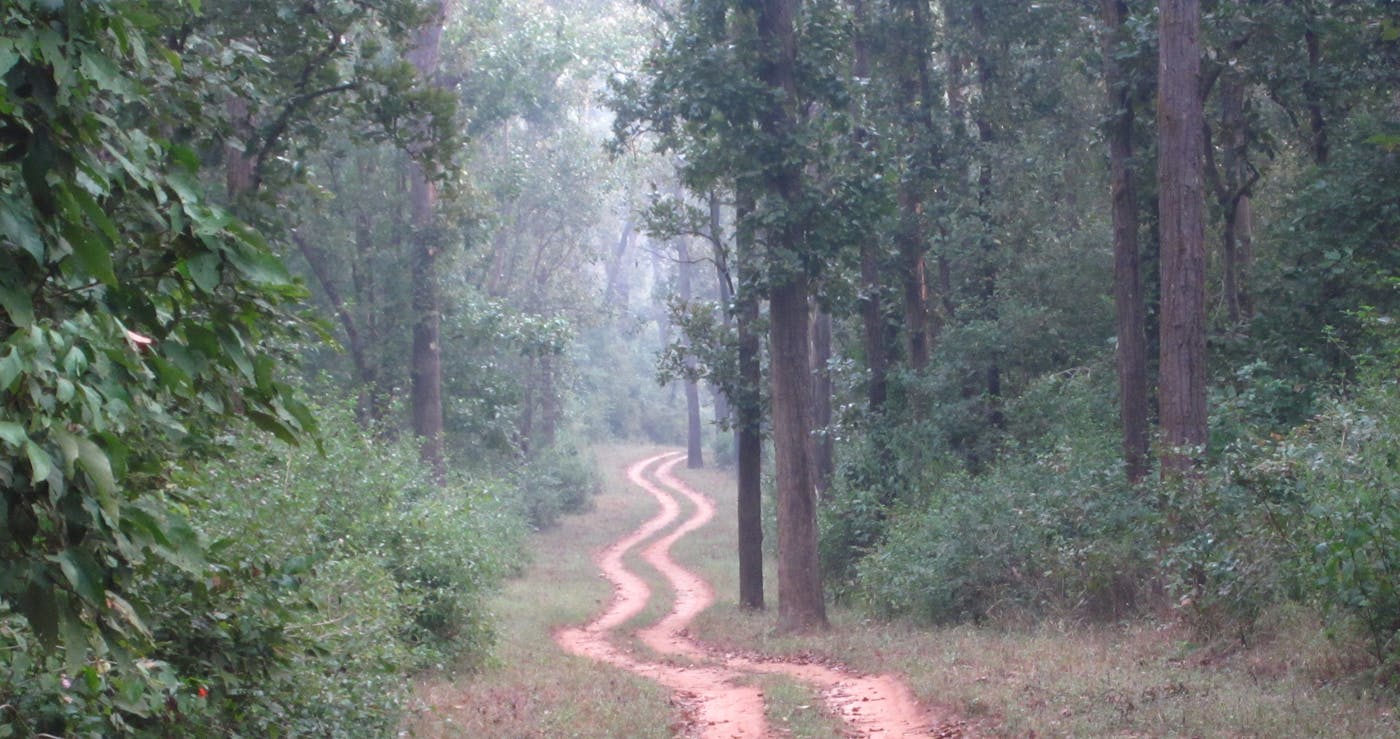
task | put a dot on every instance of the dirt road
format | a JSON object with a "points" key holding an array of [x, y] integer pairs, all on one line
{"points": [[716, 690]]}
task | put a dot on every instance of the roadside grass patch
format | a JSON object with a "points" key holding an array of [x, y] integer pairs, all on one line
{"points": [[531, 688], [1067, 677]]}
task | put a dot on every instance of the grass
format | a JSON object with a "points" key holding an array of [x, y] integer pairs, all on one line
{"points": [[1069, 678], [1061, 678], [531, 688]]}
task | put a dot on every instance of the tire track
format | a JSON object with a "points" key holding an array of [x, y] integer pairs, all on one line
{"points": [[717, 704]]}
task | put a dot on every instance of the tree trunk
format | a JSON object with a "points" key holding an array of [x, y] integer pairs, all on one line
{"points": [[748, 412], [238, 164], [800, 602], [1232, 186], [823, 448], [1317, 120], [617, 292], [916, 103], [695, 451], [426, 372], [871, 285], [1180, 173], [986, 136], [724, 414], [1128, 304]]}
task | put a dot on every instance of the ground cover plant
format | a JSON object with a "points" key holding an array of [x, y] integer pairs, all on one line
{"points": [[311, 580], [531, 688]]}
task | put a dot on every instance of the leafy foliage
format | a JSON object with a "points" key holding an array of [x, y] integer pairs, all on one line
{"points": [[344, 569], [136, 316]]}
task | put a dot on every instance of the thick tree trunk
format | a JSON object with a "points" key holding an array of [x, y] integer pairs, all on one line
{"points": [[916, 101], [801, 605], [695, 451], [1180, 173], [800, 601], [1128, 302], [748, 412], [426, 372], [823, 448], [872, 313], [986, 136]]}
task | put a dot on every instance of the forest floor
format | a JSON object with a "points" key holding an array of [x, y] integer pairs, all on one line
{"points": [[609, 635]]}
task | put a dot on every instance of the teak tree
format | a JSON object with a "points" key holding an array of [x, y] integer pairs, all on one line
{"points": [[426, 372], [1129, 307], [1181, 205]]}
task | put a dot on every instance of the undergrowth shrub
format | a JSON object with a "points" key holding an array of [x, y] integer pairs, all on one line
{"points": [[299, 590], [1346, 535], [559, 479], [1052, 525]]}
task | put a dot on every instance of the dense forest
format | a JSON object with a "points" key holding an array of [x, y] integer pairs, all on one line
{"points": [[310, 312]]}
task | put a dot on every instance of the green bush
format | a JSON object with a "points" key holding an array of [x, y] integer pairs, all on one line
{"points": [[559, 479], [308, 586], [1050, 526]]}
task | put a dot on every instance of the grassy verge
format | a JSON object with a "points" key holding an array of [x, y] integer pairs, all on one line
{"points": [[1069, 678], [532, 688]]}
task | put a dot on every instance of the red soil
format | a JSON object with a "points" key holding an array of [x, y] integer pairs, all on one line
{"points": [[717, 702]]}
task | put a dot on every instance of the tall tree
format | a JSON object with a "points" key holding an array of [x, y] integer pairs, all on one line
{"points": [[694, 447], [748, 409], [1129, 308], [1181, 205], [426, 372], [800, 602]]}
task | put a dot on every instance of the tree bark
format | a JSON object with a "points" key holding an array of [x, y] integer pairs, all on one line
{"points": [[695, 449], [426, 372], [724, 413], [748, 412], [1180, 165], [1129, 308], [986, 136], [1232, 182], [616, 291], [1317, 119], [823, 448], [916, 102], [801, 605], [871, 285]]}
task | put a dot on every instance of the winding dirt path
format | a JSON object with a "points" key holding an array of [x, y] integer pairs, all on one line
{"points": [[713, 689]]}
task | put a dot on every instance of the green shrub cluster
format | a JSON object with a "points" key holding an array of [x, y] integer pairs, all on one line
{"points": [[1305, 515], [311, 583], [557, 480]]}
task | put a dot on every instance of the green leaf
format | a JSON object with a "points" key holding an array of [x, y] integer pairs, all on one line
{"points": [[92, 252], [10, 368], [17, 305], [273, 426], [82, 573], [259, 267], [19, 228], [8, 56], [39, 607], [68, 445], [13, 433], [39, 462], [96, 214], [75, 640], [127, 612], [94, 461], [203, 268]]}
